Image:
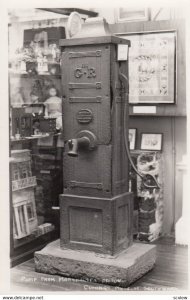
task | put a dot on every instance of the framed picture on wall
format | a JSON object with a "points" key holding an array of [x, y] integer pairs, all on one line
{"points": [[126, 14], [132, 138], [152, 67], [151, 141]]}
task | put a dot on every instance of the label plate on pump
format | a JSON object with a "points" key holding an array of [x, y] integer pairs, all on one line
{"points": [[122, 52]]}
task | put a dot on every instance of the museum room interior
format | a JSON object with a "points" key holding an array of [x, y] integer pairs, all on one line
{"points": [[98, 149]]}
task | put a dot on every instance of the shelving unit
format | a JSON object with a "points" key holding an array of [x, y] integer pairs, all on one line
{"points": [[47, 173], [24, 247]]}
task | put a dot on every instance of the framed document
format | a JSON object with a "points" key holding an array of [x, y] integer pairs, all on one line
{"points": [[152, 67], [151, 141]]}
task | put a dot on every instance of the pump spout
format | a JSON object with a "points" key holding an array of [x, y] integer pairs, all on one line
{"points": [[75, 144]]}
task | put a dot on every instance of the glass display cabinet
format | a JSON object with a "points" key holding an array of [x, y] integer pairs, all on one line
{"points": [[36, 144]]}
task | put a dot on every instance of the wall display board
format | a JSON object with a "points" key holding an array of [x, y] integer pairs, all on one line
{"points": [[152, 67]]}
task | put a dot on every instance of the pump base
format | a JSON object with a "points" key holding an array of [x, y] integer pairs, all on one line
{"points": [[121, 270]]}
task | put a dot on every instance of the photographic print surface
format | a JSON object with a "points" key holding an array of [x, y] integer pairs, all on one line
{"points": [[77, 198]]}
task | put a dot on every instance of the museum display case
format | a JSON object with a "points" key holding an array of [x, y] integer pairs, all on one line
{"points": [[36, 144]]}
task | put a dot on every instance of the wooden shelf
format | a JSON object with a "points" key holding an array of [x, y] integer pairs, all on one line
{"points": [[27, 139], [68, 11], [31, 238], [30, 76]]}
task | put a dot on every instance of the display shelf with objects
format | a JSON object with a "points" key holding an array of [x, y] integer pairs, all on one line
{"points": [[148, 202], [35, 193], [40, 52], [36, 133], [14, 74], [25, 219]]}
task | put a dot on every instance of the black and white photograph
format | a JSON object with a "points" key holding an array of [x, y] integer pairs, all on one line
{"points": [[151, 141], [96, 113]]}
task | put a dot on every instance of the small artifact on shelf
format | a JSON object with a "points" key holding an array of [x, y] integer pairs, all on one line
{"points": [[17, 97], [44, 228], [21, 123], [54, 106], [42, 65]]}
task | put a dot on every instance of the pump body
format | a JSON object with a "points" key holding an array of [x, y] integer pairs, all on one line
{"points": [[96, 208]]}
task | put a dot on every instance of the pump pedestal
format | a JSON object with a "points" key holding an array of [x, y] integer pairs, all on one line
{"points": [[121, 270]]}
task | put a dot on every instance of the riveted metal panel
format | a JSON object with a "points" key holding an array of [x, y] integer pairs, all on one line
{"points": [[89, 173], [86, 85]]}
